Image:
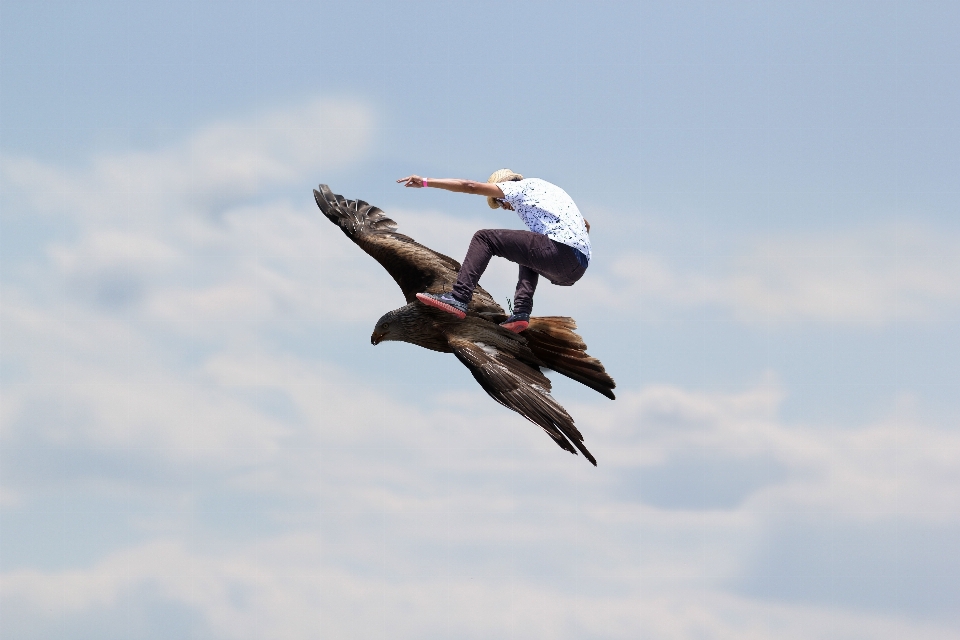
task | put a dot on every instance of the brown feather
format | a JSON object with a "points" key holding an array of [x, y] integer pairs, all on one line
{"points": [[553, 340], [518, 386], [416, 268]]}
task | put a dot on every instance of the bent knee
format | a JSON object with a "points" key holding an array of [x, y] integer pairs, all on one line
{"points": [[485, 235]]}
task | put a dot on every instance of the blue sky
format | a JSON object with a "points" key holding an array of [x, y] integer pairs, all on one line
{"points": [[198, 439]]}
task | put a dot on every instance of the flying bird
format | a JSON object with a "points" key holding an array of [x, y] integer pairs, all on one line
{"points": [[507, 365]]}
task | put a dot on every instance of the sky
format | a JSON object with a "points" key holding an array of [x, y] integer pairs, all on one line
{"points": [[197, 439]]}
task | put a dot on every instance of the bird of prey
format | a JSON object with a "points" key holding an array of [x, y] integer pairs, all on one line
{"points": [[507, 365]]}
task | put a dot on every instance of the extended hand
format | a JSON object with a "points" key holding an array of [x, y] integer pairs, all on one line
{"points": [[412, 181]]}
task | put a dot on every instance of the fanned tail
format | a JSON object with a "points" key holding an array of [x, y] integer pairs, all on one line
{"points": [[554, 341]]}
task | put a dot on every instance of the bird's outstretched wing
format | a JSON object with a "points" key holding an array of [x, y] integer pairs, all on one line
{"points": [[416, 268], [518, 385]]}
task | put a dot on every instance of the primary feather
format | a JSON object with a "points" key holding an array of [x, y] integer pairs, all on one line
{"points": [[416, 268]]}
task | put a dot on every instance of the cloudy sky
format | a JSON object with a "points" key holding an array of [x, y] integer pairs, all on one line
{"points": [[199, 441]]}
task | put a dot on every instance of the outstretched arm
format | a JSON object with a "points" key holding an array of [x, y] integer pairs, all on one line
{"points": [[453, 184]]}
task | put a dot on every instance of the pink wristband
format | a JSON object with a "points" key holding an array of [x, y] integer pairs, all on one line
{"points": [[424, 183]]}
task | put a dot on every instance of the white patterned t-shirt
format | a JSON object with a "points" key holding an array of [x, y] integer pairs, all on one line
{"points": [[548, 210]]}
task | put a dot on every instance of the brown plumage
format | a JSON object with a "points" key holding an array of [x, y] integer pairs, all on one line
{"points": [[507, 365]]}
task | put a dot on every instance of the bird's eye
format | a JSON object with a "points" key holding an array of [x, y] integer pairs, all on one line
{"points": [[384, 325]]}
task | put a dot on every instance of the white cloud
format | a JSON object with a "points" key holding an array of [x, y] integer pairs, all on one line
{"points": [[221, 163], [868, 275], [284, 587], [896, 468], [148, 340], [416, 507], [173, 237]]}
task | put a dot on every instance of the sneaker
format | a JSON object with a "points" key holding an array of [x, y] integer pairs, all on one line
{"points": [[517, 322], [444, 302]]}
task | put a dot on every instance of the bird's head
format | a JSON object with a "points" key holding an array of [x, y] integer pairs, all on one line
{"points": [[389, 327]]}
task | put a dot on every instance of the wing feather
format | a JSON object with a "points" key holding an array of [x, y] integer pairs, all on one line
{"points": [[416, 268], [521, 387]]}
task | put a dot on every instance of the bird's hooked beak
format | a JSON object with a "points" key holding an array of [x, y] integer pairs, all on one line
{"points": [[381, 330]]}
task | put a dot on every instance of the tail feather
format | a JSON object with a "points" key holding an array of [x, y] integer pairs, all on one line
{"points": [[553, 340]]}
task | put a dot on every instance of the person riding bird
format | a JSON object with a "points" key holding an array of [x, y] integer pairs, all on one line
{"points": [[507, 365], [557, 246]]}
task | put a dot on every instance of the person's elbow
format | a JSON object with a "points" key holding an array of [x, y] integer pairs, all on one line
{"points": [[471, 186]]}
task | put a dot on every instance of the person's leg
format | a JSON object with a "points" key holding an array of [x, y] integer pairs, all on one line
{"points": [[519, 318], [525, 248], [535, 253], [526, 286], [483, 246]]}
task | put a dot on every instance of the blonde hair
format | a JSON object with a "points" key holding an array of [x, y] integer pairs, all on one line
{"points": [[502, 175]]}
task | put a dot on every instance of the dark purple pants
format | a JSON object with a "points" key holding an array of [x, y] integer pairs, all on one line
{"points": [[535, 253]]}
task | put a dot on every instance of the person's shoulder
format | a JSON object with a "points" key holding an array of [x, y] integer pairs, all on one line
{"points": [[535, 182], [549, 190], [529, 188], [514, 187], [542, 185], [529, 185]]}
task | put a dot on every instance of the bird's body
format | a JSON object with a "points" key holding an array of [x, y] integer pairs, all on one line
{"points": [[507, 365]]}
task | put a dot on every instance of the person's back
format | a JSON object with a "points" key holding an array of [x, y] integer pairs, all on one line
{"points": [[548, 210]]}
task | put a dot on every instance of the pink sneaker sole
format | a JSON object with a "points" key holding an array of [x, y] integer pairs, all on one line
{"points": [[517, 326], [431, 302]]}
